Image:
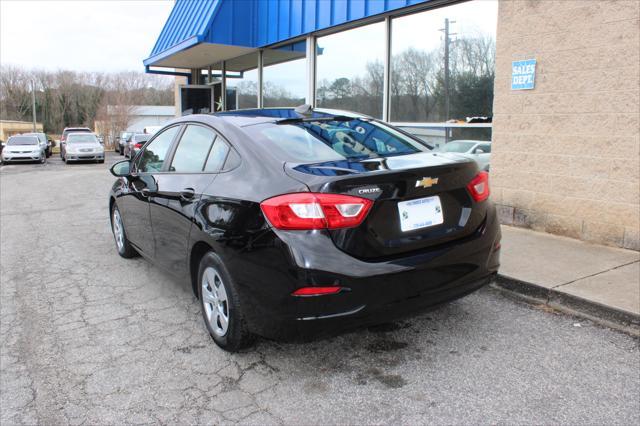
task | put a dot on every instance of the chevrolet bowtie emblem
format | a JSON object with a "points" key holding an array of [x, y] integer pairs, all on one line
{"points": [[427, 182]]}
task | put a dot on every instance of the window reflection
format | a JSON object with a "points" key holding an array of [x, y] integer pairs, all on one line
{"points": [[418, 73], [242, 82], [350, 70], [284, 75]]}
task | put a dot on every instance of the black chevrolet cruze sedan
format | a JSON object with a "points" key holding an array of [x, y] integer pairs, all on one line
{"points": [[293, 224]]}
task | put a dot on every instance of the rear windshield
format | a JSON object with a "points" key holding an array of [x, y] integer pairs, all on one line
{"points": [[322, 140], [141, 138], [458, 146], [23, 140], [81, 138]]}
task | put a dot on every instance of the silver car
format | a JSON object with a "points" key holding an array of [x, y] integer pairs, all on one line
{"points": [[83, 147], [135, 143], [24, 148], [480, 151]]}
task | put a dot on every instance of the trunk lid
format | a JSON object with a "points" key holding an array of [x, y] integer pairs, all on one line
{"points": [[429, 179]]}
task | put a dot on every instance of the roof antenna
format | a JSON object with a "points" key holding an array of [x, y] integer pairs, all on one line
{"points": [[304, 109]]}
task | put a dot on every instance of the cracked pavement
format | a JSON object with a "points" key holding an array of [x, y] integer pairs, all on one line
{"points": [[90, 338]]}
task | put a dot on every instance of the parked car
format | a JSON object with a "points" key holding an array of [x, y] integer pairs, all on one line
{"points": [[24, 148], [150, 130], [480, 151], [123, 139], [44, 141], [66, 132], [135, 143], [83, 147], [298, 227]]}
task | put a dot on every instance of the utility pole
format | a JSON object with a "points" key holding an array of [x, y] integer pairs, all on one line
{"points": [[447, 41], [33, 99]]}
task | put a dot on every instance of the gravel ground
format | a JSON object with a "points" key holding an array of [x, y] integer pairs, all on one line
{"points": [[88, 337]]}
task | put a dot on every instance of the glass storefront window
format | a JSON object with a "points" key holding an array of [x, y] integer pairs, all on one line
{"points": [[350, 70], [418, 89], [242, 82], [284, 75]]}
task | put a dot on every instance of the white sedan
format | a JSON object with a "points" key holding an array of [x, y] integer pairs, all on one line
{"points": [[480, 151]]}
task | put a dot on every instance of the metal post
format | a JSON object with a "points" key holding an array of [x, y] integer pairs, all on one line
{"points": [[209, 79], [446, 69], [311, 71], [33, 98], [386, 84], [223, 85], [260, 66]]}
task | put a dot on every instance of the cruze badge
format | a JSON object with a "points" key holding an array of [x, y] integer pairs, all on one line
{"points": [[368, 190], [426, 182]]}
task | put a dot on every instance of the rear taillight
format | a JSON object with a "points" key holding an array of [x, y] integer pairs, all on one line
{"points": [[479, 187], [137, 146], [307, 210]]}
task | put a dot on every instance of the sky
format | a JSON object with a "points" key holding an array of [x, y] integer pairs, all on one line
{"points": [[113, 35], [89, 35]]}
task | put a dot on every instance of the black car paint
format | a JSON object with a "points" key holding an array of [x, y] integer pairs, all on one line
{"points": [[267, 264]]}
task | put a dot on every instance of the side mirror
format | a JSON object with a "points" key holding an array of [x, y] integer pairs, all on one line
{"points": [[121, 168], [479, 151]]}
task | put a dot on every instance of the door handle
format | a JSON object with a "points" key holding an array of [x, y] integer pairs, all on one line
{"points": [[187, 193]]}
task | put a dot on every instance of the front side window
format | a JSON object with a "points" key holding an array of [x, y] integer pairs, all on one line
{"points": [[192, 150], [152, 158]]}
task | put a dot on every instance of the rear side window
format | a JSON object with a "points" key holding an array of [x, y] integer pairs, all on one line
{"points": [[152, 158], [217, 156], [193, 150]]}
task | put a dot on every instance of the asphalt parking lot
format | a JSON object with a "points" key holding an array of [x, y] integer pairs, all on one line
{"points": [[90, 338]]}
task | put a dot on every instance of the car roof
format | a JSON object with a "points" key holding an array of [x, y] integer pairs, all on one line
{"points": [[82, 134]]}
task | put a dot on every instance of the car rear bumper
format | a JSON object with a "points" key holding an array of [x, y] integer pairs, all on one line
{"points": [[374, 292]]}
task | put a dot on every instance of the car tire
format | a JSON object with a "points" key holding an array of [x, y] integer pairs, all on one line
{"points": [[43, 159], [123, 246], [220, 303]]}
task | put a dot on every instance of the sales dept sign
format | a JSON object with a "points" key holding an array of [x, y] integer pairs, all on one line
{"points": [[523, 74]]}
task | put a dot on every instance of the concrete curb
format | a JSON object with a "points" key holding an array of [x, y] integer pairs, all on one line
{"points": [[570, 304]]}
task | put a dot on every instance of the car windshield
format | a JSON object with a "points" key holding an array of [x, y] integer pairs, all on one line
{"points": [[40, 136], [82, 138], [23, 140], [334, 140], [458, 146], [140, 138]]}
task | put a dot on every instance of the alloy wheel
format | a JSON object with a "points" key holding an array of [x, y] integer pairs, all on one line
{"points": [[118, 230], [215, 301]]}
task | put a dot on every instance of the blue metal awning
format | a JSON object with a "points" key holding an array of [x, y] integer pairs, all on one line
{"points": [[200, 32]]}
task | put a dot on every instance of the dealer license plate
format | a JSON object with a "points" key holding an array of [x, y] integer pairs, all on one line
{"points": [[420, 213]]}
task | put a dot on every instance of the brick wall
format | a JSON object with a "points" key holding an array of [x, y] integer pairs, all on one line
{"points": [[566, 154]]}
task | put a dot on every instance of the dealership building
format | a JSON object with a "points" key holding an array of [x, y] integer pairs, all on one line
{"points": [[554, 85]]}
